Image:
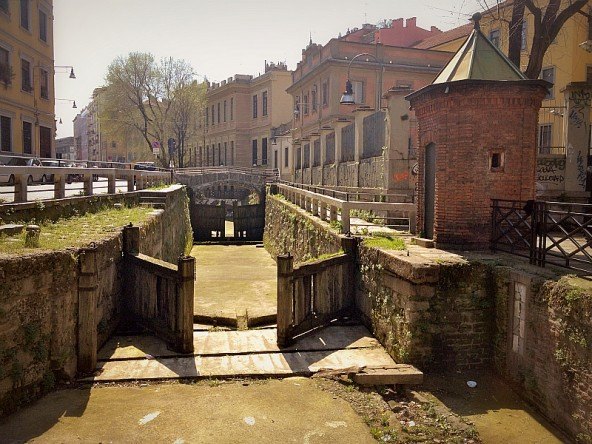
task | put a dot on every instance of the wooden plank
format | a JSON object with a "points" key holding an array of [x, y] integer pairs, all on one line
{"points": [[311, 268]]}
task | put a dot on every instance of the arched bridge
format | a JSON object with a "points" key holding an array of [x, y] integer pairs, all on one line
{"points": [[252, 179], [208, 218]]}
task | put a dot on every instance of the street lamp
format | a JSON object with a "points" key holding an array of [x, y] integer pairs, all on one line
{"points": [[69, 100], [348, 95], [72, 75]]}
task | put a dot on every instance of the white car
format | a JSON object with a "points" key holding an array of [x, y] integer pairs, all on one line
{"points": [[21, 161]]}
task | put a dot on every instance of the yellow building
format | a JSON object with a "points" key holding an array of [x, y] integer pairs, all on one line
{"points": [[566, 61], [27, 116]]}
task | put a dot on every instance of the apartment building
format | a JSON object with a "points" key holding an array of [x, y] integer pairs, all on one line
{"points": [[27, 111], [240, 114]]}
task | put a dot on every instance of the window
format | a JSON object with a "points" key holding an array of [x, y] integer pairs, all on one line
{"points": [[5, 69], [27, 138], [264, 151], [207, 117], [264, 103], [43, 26], [494, 37], [589, 74], [275, 159], [218, 113], [548, 74], [313, 98], [524, 38], [207, 155], [26, 75], [225, 152], [45, 142], [497, 161], [225, 110], [255, 151], [213, 122], [255, 106], [25, 14], [44, 84], [299, 158], [231, 109], [545, 133], [325, 93], [4, 6], [5, 133], [286, 157], [305, 104], [232, 150], [358, 89], [219, 153]]}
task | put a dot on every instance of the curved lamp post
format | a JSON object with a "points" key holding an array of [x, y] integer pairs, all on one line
{"points": [[348, 95]]}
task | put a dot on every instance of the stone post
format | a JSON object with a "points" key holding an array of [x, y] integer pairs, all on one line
{"points": [[396, 157], [87, 307], [111, 183], [185, 300], [59, 186], [20, 187], [285, 267], [130, 181], [578, 97], [88, 184]]}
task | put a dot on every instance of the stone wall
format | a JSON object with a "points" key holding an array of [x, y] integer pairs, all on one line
{"points": [[372, 172], [289, 230], [39, 301], [551, 365], [458, 313], [348, 174]]}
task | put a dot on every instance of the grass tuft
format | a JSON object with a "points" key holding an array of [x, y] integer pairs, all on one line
{"points": [[78, 231], [388, 243]]}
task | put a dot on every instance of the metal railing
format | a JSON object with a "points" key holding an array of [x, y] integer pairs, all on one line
{"points": [[329, 207], [19, 180], [555, 233], [353, 194]]}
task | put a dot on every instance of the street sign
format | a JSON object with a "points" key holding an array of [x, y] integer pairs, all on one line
{"points": [[156, 147]]}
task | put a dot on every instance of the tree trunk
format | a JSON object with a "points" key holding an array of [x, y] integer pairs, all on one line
{"points": [[515, 40]]}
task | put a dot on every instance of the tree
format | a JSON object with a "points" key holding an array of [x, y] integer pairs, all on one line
{"points": [[189, 101], [549, 18], [143, 94]]}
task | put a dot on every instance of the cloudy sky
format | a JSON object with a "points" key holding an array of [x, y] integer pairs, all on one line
{"points": [[219, 38]]}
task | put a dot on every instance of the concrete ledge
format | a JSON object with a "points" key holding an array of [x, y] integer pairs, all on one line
{"points": [[396, 375], [425, 243]]}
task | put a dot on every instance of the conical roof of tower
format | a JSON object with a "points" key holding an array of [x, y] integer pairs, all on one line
{"points": [[479, 59]]}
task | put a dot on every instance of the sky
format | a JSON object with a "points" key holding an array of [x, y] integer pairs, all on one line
{"points": [[219, 38]]}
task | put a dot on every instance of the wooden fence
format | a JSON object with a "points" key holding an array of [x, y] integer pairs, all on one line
{"points": [[313, 294], [158, 295]]}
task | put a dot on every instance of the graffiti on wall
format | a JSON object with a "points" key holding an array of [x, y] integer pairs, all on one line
{"points": [[580, 100], [550, 173]]}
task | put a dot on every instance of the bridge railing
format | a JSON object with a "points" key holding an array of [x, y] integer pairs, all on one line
{"points": [[354, 194], [271, 174], [19, 180], [335, 209]]}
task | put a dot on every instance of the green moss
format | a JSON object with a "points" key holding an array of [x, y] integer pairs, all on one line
{"points": [[387, 243], [78, 231]]}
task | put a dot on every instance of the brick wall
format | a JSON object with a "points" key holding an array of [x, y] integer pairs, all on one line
{"points": [[468, 124]]}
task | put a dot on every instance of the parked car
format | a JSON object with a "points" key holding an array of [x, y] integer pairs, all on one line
{"points": [[146, 166], [22, 161], [74, 177]]}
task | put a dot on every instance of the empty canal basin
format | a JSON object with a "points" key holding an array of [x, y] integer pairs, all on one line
{"points": [[233, 280]]}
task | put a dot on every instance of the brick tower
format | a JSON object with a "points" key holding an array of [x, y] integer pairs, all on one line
{"points": [[477, 141]]}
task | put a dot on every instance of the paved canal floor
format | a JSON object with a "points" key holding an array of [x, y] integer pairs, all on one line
{"points": [[233, 280]]}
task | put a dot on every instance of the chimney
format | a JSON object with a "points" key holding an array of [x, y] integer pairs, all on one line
{"points": [[412, 22], [397, 23]]}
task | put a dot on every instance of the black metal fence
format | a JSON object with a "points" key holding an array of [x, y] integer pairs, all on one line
{"points": [[554, 233]]}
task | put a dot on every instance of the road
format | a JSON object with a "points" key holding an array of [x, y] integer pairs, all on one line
{"points": [[44, 192]]}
